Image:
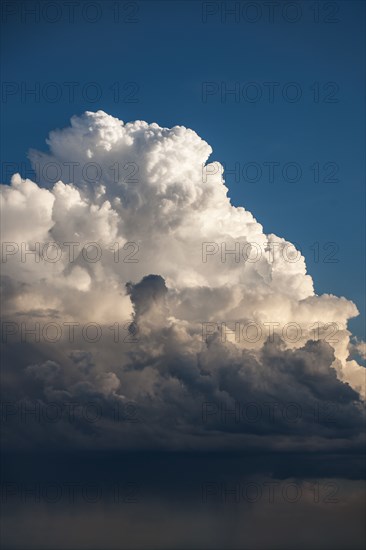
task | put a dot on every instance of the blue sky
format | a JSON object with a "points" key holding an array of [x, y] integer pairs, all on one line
{"points": [[161, 54]]}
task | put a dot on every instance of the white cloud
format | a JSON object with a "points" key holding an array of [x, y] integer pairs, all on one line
{"points": [[162, 204]]}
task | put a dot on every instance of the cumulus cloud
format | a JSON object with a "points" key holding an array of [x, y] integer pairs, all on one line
{"points": [[192, 306]]}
